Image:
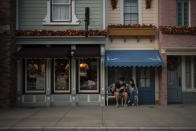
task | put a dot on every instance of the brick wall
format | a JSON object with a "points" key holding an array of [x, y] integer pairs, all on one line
{"points": [[7, 50], [167, 17], [193, 12]]}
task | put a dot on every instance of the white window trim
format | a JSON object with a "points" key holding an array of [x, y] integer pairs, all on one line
{"points": [[104, 14], [64, 4], [88, 91], [61, 91], [33, 91], [139, 11], [74, 19], [190, 13]]}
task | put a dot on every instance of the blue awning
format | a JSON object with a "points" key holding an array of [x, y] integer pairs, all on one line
{"points": [[134, 58]]}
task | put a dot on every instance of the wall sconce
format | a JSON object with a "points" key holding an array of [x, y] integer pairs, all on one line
{"points": [[73, 49]]}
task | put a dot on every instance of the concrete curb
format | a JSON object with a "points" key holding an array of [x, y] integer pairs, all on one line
{"points": [[97, 128]]}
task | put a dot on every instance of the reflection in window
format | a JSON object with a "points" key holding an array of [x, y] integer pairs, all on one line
{"points": [[144, 77], [62, 75], [88, 75], [35, 75]]}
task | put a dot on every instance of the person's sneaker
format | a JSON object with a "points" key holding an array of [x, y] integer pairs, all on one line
{"points": [[117, 105], [133, 104], [125, 105]]}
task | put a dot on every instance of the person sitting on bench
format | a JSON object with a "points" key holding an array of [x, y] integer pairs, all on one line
{"points": [[121, 90]]}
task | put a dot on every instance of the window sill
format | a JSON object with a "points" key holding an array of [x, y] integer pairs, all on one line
{"points": [[189, 90], [61, 23]]}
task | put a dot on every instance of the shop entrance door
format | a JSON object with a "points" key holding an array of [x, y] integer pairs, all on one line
{"points": [[146, 85], [174, 91]]}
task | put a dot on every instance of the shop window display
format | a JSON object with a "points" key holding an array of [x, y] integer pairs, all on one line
{"points": [[62, 75], [35, 76], [88, 75]]}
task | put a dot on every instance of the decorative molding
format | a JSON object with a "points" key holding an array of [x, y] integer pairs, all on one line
{"points": [[47, 19], [47, 40], [140, 12], [104, 14]]}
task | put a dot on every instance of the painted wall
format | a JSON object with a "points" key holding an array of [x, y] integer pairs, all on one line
{"points": [[32, 13], [146, 16]]}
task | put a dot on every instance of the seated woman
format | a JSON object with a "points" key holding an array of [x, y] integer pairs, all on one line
{"points": [[121, 90], [133, 93]]}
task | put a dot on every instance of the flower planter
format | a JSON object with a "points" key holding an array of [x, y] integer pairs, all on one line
{"points": [[131, 32]]}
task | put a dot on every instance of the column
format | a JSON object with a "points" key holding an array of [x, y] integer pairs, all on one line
{"points": [[102, 73], [163, 81], [73, 78], [19, 82], [48, 81]]}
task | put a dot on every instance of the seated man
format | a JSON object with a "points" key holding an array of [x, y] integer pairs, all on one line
{"points": [[121, 90]]}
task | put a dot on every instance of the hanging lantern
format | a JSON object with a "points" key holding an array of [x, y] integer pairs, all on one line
{"points": [[114, 4], [148, 4]]}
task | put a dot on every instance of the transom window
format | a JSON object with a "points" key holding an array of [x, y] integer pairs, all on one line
{"points": [[61, 10], [130, 11], [182, 12]]}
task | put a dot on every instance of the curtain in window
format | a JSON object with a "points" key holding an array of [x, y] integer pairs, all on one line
{"points": [[61, 10]]}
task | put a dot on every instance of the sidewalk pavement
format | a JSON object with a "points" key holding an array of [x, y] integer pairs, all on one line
{"points": [[149, 116]]}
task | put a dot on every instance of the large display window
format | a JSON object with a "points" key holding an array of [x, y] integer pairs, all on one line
{"points": [[61, 76], [88, 76], [35, 75]]}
